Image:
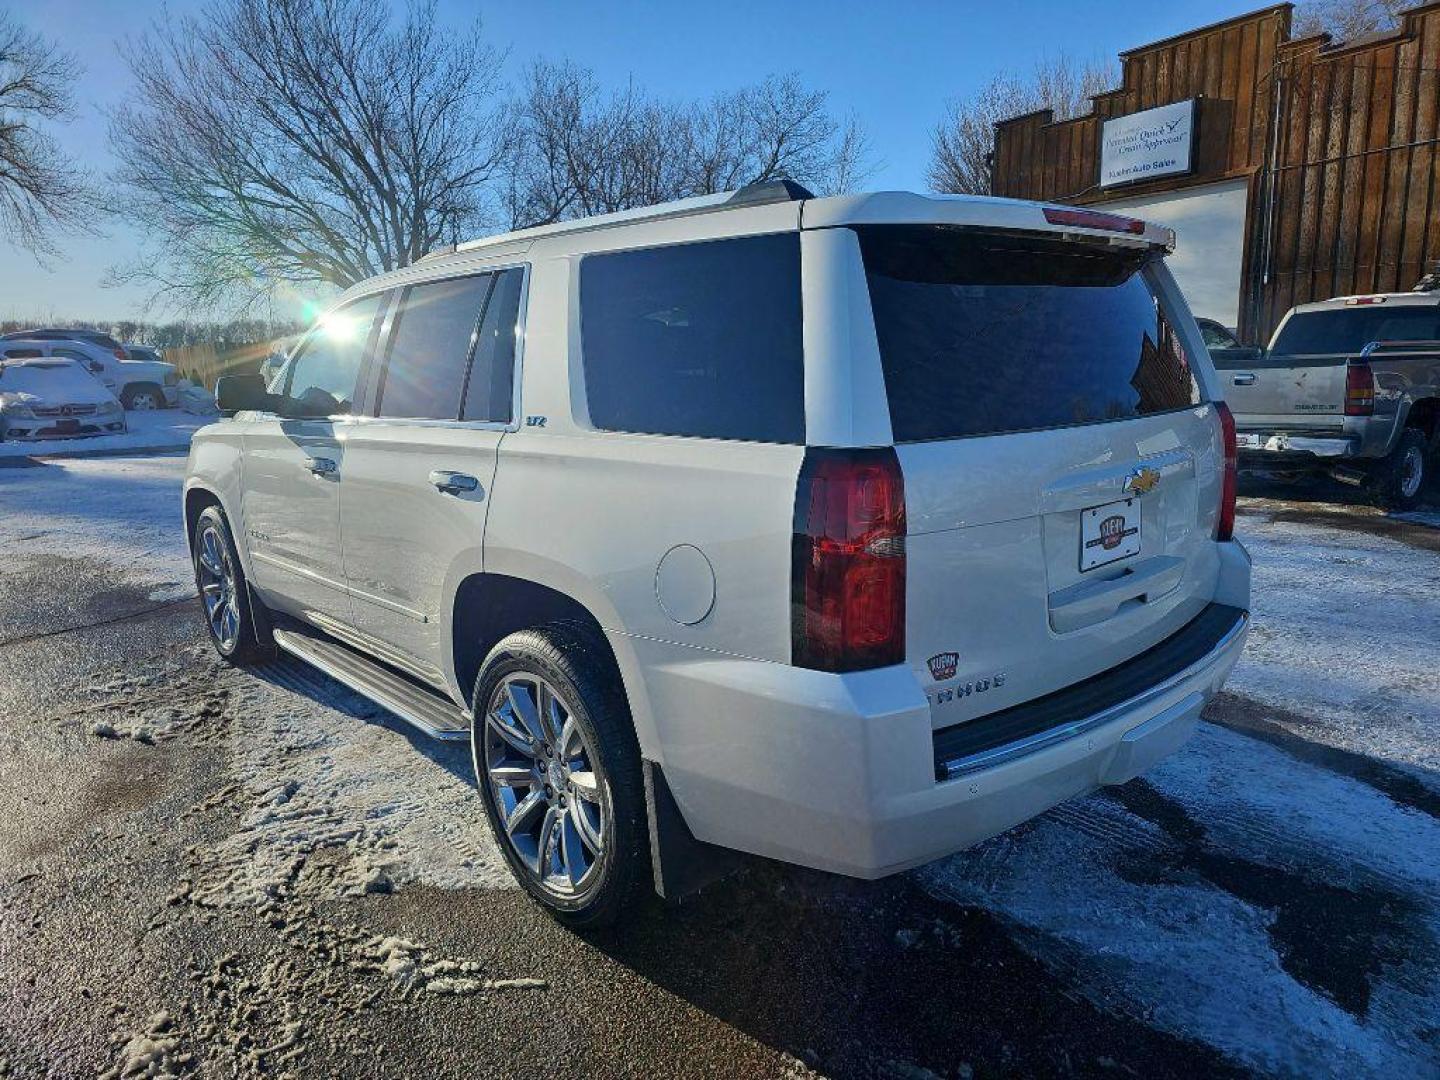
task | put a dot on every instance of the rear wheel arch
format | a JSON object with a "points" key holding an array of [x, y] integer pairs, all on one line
{"points": [[1425, 415], [489, 607]]}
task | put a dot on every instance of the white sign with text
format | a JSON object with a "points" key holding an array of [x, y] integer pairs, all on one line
{"points": [[1144, 145]]}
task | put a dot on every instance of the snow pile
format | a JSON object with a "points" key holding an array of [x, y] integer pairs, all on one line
{"points": [[1154, 925], [122, 512], [1345, 629]]}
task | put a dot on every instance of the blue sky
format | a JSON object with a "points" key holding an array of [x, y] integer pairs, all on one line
{"points": [[893, 65]]}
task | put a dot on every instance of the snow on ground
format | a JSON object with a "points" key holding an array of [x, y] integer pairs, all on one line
{"points": [[121, 511], [161, 429], [1346, 627]]}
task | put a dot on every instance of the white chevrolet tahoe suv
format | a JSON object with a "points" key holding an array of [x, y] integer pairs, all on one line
{"points": [[844, 531]]}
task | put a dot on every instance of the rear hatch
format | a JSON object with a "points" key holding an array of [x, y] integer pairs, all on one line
{"points": [[1299, 383], [1062, 471]]}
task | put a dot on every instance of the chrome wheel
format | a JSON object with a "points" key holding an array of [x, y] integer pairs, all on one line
{"points": [[218, 592], [546, 781], [1412, 472], [143, 401]]}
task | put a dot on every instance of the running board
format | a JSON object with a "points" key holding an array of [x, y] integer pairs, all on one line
{"points": [[436, 716]]}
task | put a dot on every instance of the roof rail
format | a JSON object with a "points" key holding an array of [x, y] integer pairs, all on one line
{"points": [[780, 189]]}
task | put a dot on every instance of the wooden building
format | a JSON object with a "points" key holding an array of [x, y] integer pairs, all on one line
{"points": [[1311, 170]]}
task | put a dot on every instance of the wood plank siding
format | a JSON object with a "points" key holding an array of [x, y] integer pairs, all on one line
{"points": [[1340, 143]]}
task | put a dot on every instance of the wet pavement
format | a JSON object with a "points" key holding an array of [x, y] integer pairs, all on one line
{"points": [[214, 872]]}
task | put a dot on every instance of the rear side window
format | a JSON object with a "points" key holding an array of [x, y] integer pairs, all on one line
{"points": [[987, 333], [699, 339], [1349, 330], [489, 391], [22, 354], [430, 347]]}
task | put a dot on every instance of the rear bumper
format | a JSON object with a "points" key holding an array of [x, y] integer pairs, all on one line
{"points": [[839, 773], [1265, 443]]}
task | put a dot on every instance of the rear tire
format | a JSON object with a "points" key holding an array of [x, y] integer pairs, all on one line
{"points": [[142, 397], [1399, 480], [224, 597], [558, 767]]}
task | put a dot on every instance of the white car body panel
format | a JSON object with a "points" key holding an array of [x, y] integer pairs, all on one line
{"points": [[681, 550]]}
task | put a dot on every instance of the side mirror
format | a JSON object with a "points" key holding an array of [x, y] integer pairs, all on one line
{"points": [[96, 366], [239, 393]]}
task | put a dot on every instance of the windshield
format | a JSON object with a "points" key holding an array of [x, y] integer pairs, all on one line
{"points": [[982, 333], [1349, 330]]}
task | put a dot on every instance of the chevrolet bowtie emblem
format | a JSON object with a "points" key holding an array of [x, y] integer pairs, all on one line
{"points": [[1142, 482]]}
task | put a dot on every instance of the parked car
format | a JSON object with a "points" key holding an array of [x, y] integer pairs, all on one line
{"points": [[54, 398], [144, 352], [140, 384], [1349, 387], [55, 333], [1216, 335], [847, 537]]}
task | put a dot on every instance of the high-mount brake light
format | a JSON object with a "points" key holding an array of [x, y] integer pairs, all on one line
{"points": [[848, 561], [1225, 525], [1094, 219], [1354, 300], [1359, 389]]}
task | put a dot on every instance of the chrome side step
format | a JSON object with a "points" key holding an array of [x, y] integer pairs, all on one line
{"points": [[436, 716]]}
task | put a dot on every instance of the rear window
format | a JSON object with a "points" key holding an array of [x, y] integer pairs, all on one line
{"points": [[699, 339], [987, 333], [1349, 330]]}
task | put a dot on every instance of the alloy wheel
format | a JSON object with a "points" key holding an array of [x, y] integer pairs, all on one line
{"points": [[143, 401], [546, 781], [218, 588]]}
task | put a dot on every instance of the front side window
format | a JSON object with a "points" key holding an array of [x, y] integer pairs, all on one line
{"points": [[325, 370], [982, 333], [698, 339], [430, 347]]}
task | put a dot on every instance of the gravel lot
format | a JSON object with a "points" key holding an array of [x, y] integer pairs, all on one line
{"points": [[222, 873]]}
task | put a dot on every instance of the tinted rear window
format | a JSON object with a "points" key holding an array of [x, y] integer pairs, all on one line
{"points": [[987, 333], [700, 339], [1348, 330]]}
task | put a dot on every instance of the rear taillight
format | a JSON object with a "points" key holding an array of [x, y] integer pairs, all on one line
{"points": [[121, 354], [1359, 390], [848, 561], [1225, 526]]}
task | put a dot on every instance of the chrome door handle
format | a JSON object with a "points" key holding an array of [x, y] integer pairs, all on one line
{"points": [[453, 483], [1245, 378], [322, 466]]}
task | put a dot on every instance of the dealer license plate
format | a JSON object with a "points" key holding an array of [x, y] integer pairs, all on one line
{"points": [[1109, 533]]}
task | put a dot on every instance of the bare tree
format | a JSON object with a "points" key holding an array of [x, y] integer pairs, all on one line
{"points": [[41, 188], [1345, 20], [963, 141], [270, 143], [581, 151]]}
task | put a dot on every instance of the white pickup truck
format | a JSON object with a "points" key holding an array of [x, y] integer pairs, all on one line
{"points": [[1348, 387]]}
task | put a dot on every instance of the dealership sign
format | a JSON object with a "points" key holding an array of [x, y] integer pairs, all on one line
{"points": [[1144, 145]]}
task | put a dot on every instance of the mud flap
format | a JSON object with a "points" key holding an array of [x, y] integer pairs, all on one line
{"points": [[682, 865]]}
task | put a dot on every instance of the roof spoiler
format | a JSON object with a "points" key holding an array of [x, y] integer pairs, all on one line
{"points": [[781, 189]]}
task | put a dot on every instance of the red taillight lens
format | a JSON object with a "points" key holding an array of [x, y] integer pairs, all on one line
{"points": [[848, 568], [1094, 219], [1225, 527], [1359, 390], [121, 354]]}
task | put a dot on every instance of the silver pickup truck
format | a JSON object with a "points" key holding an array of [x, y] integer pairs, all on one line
{"points": [[1348, 387]]}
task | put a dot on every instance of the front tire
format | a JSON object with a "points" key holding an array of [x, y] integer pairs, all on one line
{"points": [[224, 598], [558, 767], [1399, 480]]}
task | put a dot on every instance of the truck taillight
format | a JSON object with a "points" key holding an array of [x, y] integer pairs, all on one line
{"points": [[1359, 390], [1225, 526], [848, 561]]}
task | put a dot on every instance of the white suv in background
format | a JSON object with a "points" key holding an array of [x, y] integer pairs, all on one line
{"points": [[843, 531], [140, 385]]}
